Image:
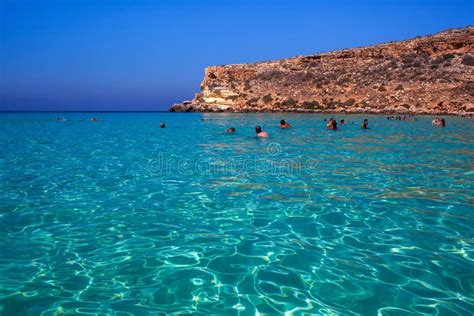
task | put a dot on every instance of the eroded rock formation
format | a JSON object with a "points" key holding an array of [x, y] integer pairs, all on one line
{"points": [[426, 75]]}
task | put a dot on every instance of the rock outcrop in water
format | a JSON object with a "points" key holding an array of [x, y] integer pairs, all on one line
{"points": [[426, 75]]}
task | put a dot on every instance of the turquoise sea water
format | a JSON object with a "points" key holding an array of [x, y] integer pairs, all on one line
{"points": [[122, 217]]}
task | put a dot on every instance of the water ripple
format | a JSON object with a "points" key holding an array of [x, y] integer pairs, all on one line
{"points": [[355, 222]]}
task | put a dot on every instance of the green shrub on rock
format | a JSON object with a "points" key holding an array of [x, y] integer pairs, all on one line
{"points": [[311, 104], [349, 102], [468, 60], [267, 98], [289, 102]]}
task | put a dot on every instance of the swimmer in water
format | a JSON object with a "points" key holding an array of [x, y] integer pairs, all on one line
{"points": [[439, 122], [162, 125], [332, 124], [94, 119], [284, 124], [230, 130], [259, 132], [364, 124]]}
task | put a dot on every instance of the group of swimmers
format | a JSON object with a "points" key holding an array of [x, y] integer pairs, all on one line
{"points": [[332, 125], [258, 129]]}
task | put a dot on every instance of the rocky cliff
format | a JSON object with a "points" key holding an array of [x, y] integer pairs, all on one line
{"points": [[426, 75]]}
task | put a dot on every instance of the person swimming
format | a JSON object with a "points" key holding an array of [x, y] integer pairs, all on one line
{"points": [[284, 124], [332, 124], [162, 125], [259, 132], [439, 122], [94, 119], [230, 130], [364, 124]]}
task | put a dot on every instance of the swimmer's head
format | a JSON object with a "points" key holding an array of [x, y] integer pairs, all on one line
{"points": [[258, 129], [282, 122]]}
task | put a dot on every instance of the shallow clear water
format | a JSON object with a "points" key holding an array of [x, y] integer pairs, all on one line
{"points": [[123, 217]]}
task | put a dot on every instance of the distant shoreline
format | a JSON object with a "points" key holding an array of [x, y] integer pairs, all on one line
{"points": [[240, 113], [332, 113]]}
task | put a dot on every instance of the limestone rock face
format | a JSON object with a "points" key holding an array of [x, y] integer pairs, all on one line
{"points": [[426, 75]]}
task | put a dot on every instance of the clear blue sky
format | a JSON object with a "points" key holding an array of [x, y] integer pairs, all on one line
{"points": [[146, 55]]}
